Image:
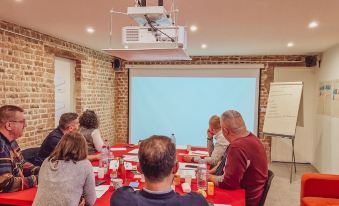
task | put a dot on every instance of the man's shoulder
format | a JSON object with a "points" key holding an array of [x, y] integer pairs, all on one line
{"points": [[249, 139], [193, 198], [54, 135], [4, 152], [4, 146], [123, 196], [3, 142]]}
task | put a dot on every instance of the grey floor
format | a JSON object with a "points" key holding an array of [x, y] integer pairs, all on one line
{"points": [[282, 193]]}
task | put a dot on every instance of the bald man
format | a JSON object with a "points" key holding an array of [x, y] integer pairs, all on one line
{"points": [[245, 161]]}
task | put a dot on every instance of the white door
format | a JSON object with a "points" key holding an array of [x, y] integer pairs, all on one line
{"points": [[64, 87], [282, 148]]}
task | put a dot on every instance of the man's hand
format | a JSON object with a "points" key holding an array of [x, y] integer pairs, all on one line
{"points": [[82, 202], [187, 158], [209, 133], [94, 157], [214, 169], [211, 178]]}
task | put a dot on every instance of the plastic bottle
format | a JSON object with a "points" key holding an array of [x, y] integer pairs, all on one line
{"points": [[121, 170], [202, 177], [104, 162], [173, 138]]}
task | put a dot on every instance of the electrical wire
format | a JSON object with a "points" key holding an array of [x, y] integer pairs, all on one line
{"points": [[157, 29], [110, 30]]}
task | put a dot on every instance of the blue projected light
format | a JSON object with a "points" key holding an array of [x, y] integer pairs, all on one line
{"points": [[183, 105]]}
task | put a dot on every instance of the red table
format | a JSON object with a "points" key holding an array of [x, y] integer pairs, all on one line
{"points": [[221, 196]]}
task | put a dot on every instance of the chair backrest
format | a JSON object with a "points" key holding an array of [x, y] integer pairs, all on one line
{"points": [[267, 187]]}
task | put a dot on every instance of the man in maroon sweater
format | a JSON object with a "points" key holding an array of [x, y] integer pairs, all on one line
{"points": [[245, 159]]}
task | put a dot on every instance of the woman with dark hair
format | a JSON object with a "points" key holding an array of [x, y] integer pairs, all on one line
{"points": [[66, 177], [89, 125]]}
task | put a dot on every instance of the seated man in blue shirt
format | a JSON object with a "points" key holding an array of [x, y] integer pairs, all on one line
{"points": [[157, 158], [68, 122]]}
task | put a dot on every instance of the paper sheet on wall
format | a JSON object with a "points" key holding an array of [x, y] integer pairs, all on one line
{"points": [[335, 98], [325, 98]]}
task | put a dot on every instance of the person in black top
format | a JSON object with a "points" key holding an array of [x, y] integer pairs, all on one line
{"points": [[157, 159], [68, 122]]}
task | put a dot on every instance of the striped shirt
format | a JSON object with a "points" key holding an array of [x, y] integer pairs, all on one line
{"points": [[15, 173]]}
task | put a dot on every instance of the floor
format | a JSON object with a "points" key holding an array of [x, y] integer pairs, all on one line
{"points": [[282, 193]]}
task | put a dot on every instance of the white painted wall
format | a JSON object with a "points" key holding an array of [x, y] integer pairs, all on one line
{"points": [[64, 87], [281, 147], [326, 145]]}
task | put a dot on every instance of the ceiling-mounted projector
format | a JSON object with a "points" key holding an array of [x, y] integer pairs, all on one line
{"points": [[143, 37], [156, 38]]}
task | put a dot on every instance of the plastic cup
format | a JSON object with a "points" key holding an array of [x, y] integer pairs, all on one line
{"points": [[142, 178], [101, 172], [116, 183], [188, 179]]}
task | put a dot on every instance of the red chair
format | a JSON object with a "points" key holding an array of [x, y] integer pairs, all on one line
{"points": [[319, 189]]}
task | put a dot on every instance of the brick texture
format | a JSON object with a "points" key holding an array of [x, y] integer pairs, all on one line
{"points": [[27, 80]]}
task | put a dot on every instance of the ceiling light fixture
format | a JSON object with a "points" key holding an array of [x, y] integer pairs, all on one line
{"points": [[313, 24], [18, 1], [90, 30], [193, 28], [203, 46], [290, 44]]}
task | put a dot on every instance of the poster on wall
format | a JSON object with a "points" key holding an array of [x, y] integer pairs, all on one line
{"points": [[320, 98], [335, 98], [325, 98]]}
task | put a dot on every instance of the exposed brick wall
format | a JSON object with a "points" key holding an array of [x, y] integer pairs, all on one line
{"points": [[121, 105], [27, 80], [267, 76]]}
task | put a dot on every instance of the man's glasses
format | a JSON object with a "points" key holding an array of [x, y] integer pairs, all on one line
{"points": [[21, 121]]}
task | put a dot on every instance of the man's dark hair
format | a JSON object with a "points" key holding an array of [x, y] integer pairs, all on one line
{"points": [[66, 119], [7, 113], [89, 120], [157, 157]]}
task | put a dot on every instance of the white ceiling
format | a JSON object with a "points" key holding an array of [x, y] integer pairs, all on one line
{"points": [[228, 27]]}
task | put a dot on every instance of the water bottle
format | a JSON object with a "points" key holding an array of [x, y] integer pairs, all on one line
{"points": [[202, 176], [122, 170], [104, 157], [173, 139]]}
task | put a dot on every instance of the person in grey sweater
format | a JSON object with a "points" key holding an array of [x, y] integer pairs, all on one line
{"points": [[66, 177], [217, 150]]}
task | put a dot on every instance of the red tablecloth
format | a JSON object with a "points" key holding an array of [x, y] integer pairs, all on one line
{"points": [[232, 197]]}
